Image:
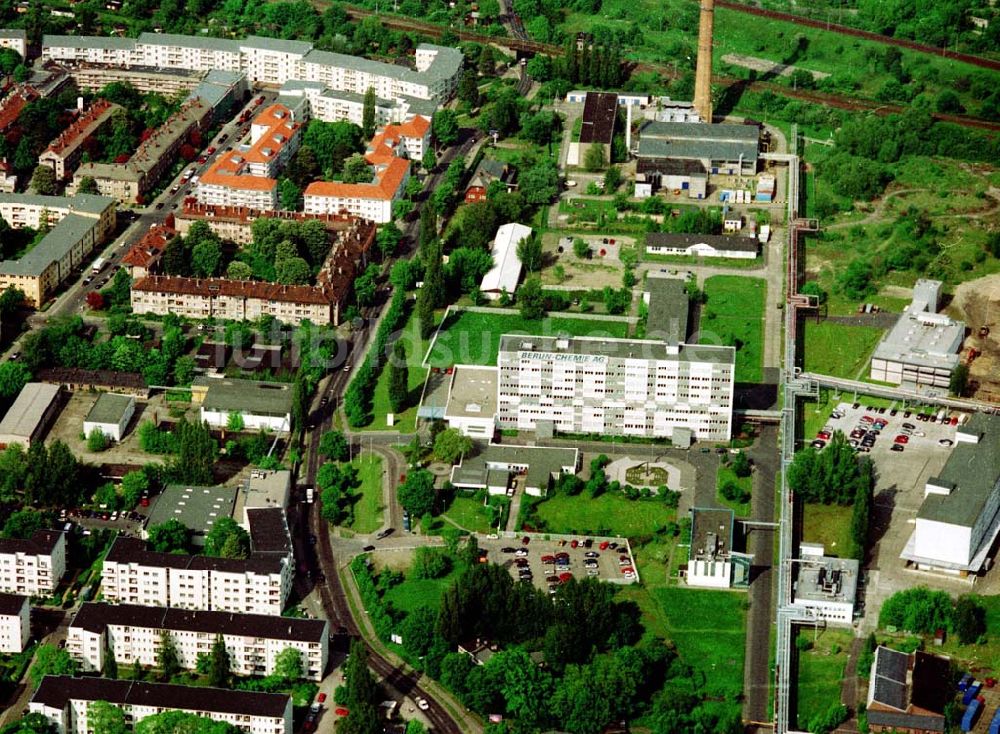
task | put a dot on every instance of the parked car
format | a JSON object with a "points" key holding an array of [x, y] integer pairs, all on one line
{"points": [[592, 554], [901, 439], [521, 552], [507, 549], [910, 426], [823, 435], [945, 442], [896, 447], [818, 444]]}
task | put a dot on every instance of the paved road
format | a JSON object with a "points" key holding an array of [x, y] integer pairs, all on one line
{"points": [[760, 543]]}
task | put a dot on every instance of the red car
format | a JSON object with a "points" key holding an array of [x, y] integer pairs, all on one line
{"points": [[340, 711], [211, 149], [823, 435], [548, 559], [564, 577], [603, 545], [901, 439], [525, 540], [321, 698], [573, 544]]}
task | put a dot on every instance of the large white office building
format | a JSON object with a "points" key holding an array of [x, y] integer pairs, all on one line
{"points": [[65, 702], [253, 641], [134, 575], [32, 567], [959, 519], [615, 387], [267, 61], [922, 349]]}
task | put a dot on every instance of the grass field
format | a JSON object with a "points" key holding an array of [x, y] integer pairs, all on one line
{"points": [[709, 629], [609, 514], [742, 509], [468, 513], [416, 348], [368, 508], [413, 594], [670, 30], [838, 349], [473, 337], [829, 525], [733, 314], [820, 672]]}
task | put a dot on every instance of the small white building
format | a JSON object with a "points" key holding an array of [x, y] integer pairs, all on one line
{"points": [[110, 415], [33, 567], [506, 271], [266, 405], [702, 245], [710, 562], [15, 623], [16, 39], [253, 641], [825, 588], [472, 401]]}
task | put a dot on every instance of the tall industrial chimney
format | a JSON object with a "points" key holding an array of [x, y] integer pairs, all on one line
{"points": [[703, 72]]}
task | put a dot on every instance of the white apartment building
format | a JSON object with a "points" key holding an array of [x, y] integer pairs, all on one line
{"points": [[64, 701], [246, 177], [256, 585], [15, 623], [615, 387], [253, 641], [314, 100], [16, 39], [267, 61], [35, 566], [272, 60]]}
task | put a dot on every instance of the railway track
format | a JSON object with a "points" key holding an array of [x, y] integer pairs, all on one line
{"points": [[979, 61]]}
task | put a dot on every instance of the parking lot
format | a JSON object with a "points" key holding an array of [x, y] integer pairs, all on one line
{"points": [[899, 491], [554, 560]]}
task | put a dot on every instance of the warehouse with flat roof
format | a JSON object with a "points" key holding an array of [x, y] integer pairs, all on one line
{"points": [[266, 405], [959, 519], [110, 415], [505, 274], [194, 507], [722, 148], [500, 468], [29, 417], [667, 305]]}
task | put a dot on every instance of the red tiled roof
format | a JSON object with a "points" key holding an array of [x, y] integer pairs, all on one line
{"points": [[148, 250], [229, 169], [389, 177], [215, 287], [93, 116], [14, 104]]}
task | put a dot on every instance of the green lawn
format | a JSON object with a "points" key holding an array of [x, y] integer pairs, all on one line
{"points": [[415, 347], [837, 349], [709, 630], [472, 337], [412, 594], [733, 314], [368, 508], [609, 514], [820, 671], [985, 656], [469, 513], [742, 509], [829, 525]]}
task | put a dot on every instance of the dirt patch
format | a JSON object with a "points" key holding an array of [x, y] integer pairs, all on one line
{"points": [[767, 66], [977, 302]]}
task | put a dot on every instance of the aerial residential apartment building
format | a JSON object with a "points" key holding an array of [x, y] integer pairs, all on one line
{"points": [[266, 61], [78, 225], [32, 567], [144, 257], [134, 575], [65, 702], [236, 222], [615, 387], [253, 641], [315, 100], [14, 38], [131, 181], [390, 152], [247, 176], [15, 623], [65, 152]]}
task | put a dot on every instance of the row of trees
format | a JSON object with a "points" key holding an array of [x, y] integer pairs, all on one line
{"points": [[190, 445], [925, 611], [837, 475]]}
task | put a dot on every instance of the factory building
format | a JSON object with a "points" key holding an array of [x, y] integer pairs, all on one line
{"points": [[110, 415], [702, 245], [825, 588], [722, 149], [713, 562], [600, 111], [505, 469], [959, 518], [922, 348], [261, 405], [907, 694], [505, 274], [27, 420]]}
